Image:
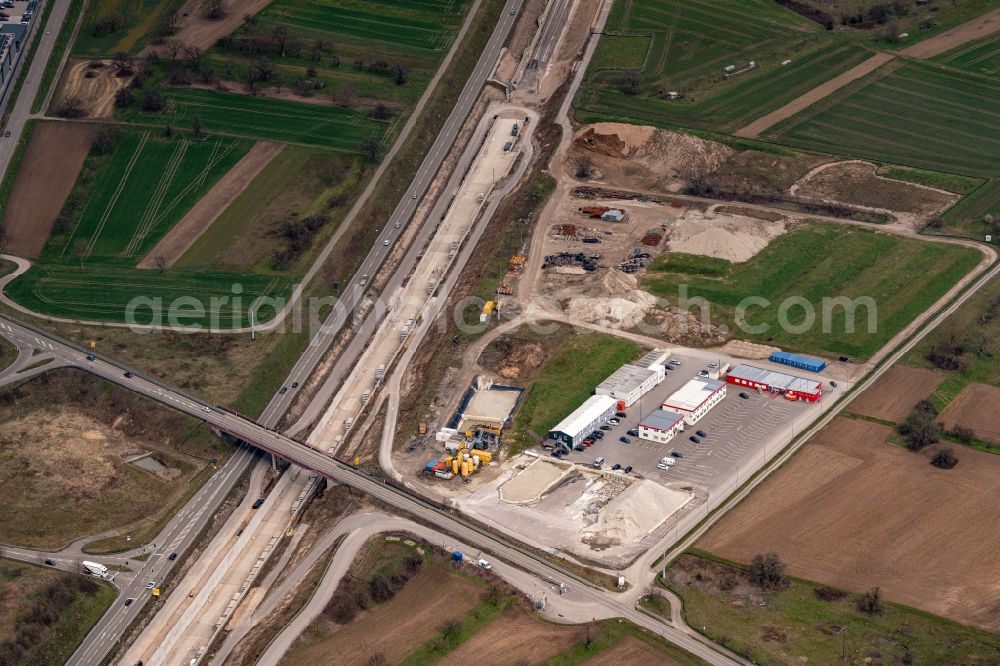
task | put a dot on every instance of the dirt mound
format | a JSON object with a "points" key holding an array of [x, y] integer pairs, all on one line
{"points": [[94, 83], [530, 354], [634, 513], [724, 235], [644, 157], [624, 311], [751, 350]]}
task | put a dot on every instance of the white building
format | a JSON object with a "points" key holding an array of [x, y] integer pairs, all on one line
{"points": [[696, 398], [591, 414], [629, 383], [661, 426]]}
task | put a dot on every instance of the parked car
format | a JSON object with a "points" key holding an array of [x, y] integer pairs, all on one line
{"points": [[713, 365], [598, 463], [628, 469], [665, 463], [624, 440], [703, 373], [833, 384], [579, 447], [634, 432], [744, 396], [597, 434], [605, 427], [486, 565], [702, 433], [616, 466], [614, 422], [676, 454], [674, 361], [621, 415], [588, 442], [694, 438], [559, 454]]}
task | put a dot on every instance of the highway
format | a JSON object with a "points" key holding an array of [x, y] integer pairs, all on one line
{"points": [[21, 112], [101, 639], [552, 29]]}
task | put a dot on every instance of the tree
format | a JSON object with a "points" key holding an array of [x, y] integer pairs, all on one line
{"points": [[3, 241], [380, 112], [122, 64], [168, 130], [945, 458], [380, 589], [451, 629], [398, 74], [196, 127], [963, 433], [213, 9], [265, 69], [81, 250], [161, 262], [377, 659], [370, 148], [921, 427], [71, 106], [583, 167], [193, 55], [630, 84], [173, 48], [152, 101], [870, 603], [280, 37], [767, 571], [124, 98], [107, 138]]}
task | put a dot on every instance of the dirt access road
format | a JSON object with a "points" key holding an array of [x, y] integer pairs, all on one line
{"points": [[199, 32], [197, 220], [976, 28]]}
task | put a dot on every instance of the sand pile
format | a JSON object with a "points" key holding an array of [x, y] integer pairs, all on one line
{"points": [[645, 157], [612, 311], [634, 513], [744, 349], [723, 235]]}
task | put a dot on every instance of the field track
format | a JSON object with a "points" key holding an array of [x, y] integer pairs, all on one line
{"points": [[184, 234], [977, 28]]}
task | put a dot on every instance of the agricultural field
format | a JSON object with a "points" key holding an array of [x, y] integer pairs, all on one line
{"points": [[110, 26], [802, 623], [911, 114], [980, 57], [683, 47], [270, 119], [44, 613], [63, 440], [902, 276], [854, 510], [893, 396]]}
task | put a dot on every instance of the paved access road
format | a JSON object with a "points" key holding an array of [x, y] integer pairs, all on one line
{"points": [[100, 640]]}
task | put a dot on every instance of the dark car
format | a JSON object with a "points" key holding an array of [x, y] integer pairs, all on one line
{"points": [[605, 428], [295, 384], [128, 602], [624, 440], [702, 433], [51, 563], [616, 466], [634, 432], [621, 415], [833, 384], [628, 469], [694, 439], [579, 447], [284, 390], [559, 454], [128, 375], [257, 504], [173, 556], [597, 434], [744, 396], [676, 454]]}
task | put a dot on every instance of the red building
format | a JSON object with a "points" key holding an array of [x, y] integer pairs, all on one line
{"points": [[792, 388]]}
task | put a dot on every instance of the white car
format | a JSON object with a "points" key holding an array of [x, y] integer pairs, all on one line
{"points": [[666, 462], [613, 421], [386, 242], [674, 361], [150, 585], [207, 410], [397, 225], [486, 565]]}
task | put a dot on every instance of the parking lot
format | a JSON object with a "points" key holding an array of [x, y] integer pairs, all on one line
{"points": [[739, 432]]}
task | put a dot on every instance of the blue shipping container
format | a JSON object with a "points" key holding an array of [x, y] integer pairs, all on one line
{"points": [[798, 361]]}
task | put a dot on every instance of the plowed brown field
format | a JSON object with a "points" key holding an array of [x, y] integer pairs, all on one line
{"points": [[895, 393], [976, 407], [853, 511], [48, 171], [513, 637], [630, 650]]}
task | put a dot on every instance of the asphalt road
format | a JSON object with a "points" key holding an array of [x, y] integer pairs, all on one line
{"points": [[22, 105], [354, 291], [552, 29], [109, 629]]}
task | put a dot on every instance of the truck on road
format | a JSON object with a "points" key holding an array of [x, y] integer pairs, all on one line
{"points": [[93, 569]]}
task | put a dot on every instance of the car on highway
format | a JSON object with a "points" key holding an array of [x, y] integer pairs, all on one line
{"points": [[150, 585], [414, 195], [173, 556], [295, 385], [386, 242], [91, 357], [665, 463], [624, 440], [676, 454], [50, 563], [397, 226], [206, 409], [364, 279], [257, 504], [695, 439], [128, 602], [605, 428], [701, 433], [628, 468], [128, 375], [485, 564], [744, 396], [283, 391], [7, 134]]}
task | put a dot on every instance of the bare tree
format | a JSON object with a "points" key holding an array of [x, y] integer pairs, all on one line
{"points": [[280, 37], [123, 64], [583, 167], [161, 262], [193, 55], [870, 602], [767, 571], [196, 127], [213, 9], [370, 148], [945, 458], [173, 48]]}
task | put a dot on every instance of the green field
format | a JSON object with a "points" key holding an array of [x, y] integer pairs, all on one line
{"points": [[915, 114], [684, 46], [110, 26], [563, 383], [103, 293], [795, 625], [137, 193], [272, 119], [981, 56], [903, 277]]}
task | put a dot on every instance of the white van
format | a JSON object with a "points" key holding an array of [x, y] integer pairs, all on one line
{"points": [[599, 463], [666, 462]]}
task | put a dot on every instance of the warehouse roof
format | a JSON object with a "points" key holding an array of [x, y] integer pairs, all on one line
{"points": [[583, 416], [661, 419], [776, 379], [625, 379], [655, 357], [690, 396]]}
